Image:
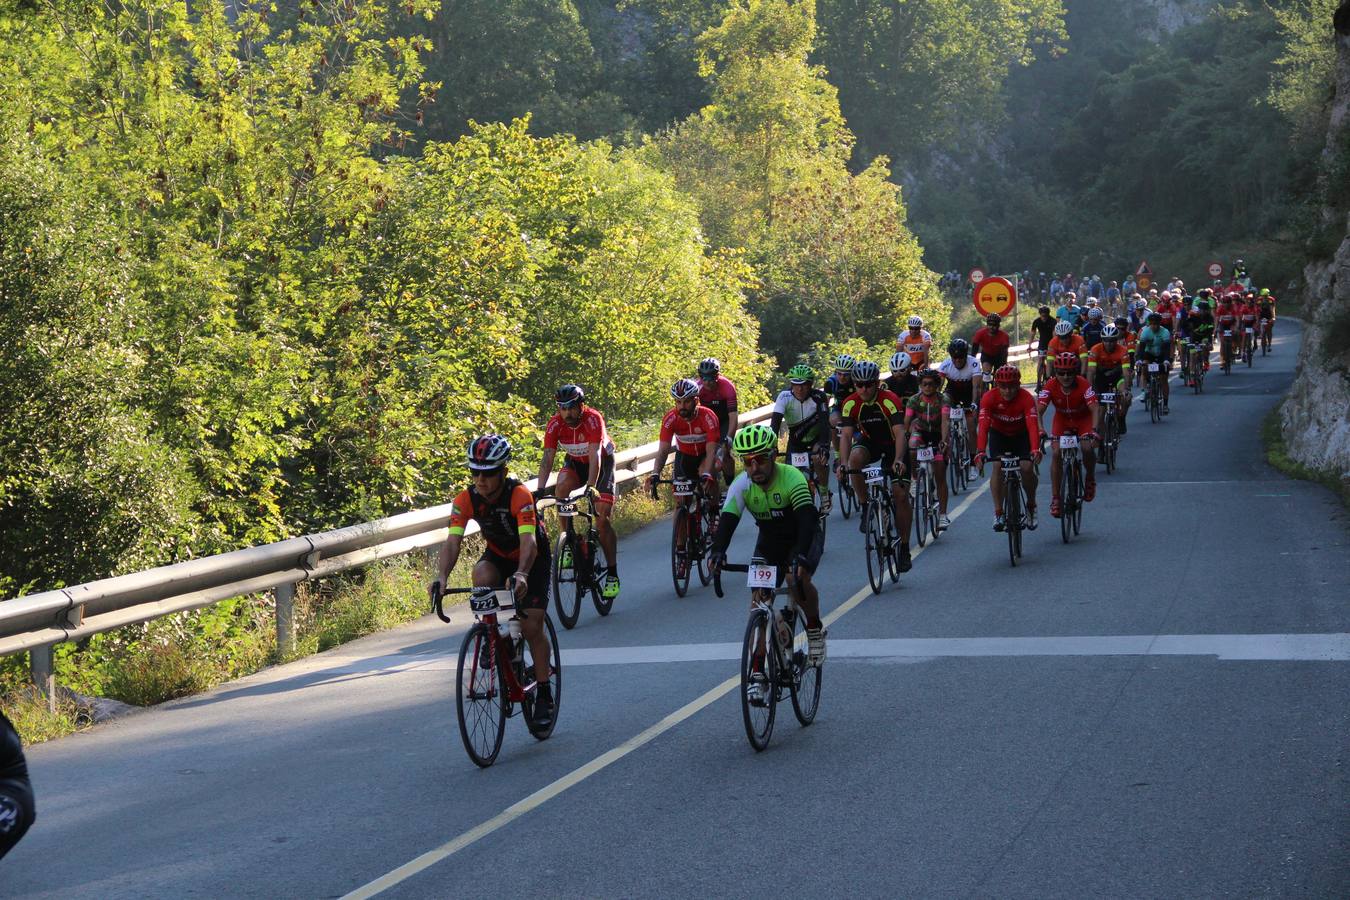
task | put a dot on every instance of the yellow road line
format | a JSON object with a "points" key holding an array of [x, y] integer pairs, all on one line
{"points": [[604, 760]]}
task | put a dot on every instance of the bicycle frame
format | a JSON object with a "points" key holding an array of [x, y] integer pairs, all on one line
{"points": [[487, 604]]}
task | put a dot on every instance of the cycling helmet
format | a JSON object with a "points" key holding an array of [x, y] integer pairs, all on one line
{"points": [[1063, 328], [709, 368], [491, 451], [900, 362], [1091, 302], [1154, 317], [801, 374], [1265, 292], [844, 363], [1007, 375], [930, 373], [569, 395], [958, 347], [1094, 313], [754, 439], [684, 389], [915, 322], [865, 371], [1070, 295], [1110, 333], [993, 319], [1066, 362]]}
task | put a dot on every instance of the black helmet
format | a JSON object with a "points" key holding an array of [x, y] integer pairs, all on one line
{"points": [[709, 368], [958, 347], [569, 395]]}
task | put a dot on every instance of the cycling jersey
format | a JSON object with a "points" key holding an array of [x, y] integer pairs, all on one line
{"points": [[1266, 309], [1044, 329], [874, 420], [1007, 417], [782, 509], [839, 389], [720, 397], [960, 379], [1154, 341], [1226, 316], [1107, 360], [1247, 312], [1168, 313], [1200, 327], [1074, 408], [502, 521], [691, 436], [991, 345], [927, 413], [1069, 314], [807, 420], [917, 346], [1092, 333], [1075, 345], [576, 440], [903, 386]]}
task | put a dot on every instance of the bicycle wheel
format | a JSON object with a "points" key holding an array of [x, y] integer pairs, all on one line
{"points": [[1078, 497], [555, 684], [707, 521], [957, 454], [602, 604], [1017, 531], [920, 505], [758, 715], [1107, 450], [1066, 500], [679, 555], [1012, 517], [805, 683], [1247, 354], [567, 590], [874, 547], [480, 698], [846, 498], [933, 505], [892, 536]]}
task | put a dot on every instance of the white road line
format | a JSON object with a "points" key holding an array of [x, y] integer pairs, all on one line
{"points": [[604, 760]]}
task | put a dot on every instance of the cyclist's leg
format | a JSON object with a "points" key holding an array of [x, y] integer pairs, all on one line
{"points": [[858, 457], [940, 476], [726, 459], [1162, 376], [534, 608], [604, 506], [569, 479], [904, 512]]}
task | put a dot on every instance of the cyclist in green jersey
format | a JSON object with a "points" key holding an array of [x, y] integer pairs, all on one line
{"points": [[805, 411], [778, 498]]}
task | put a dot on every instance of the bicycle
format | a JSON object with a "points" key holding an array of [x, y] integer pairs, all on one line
{"points": [[1267, 326], [1014, 501], [495, 672], [801, 461], [1226, 352], [1106, 450], [783, 661], [848, 501], [696, 516], [958, 471], [881, 539], [1199, 362], [1248, 344], [1153, 391], [926, 504], [575, 572], [1070, 485]]}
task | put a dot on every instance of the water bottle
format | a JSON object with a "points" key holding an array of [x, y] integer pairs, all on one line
{"points": [[513, 626]]}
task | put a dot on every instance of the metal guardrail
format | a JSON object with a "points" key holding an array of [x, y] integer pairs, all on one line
{"points": [[38, 622]]}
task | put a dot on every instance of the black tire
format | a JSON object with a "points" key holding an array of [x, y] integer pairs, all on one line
{"points": [[956, 463], [708, 520], [758, 719], [1154, 399], [805, 684], [566, 591], [933, 512], [1012, 516], [678, 550], [480, 699], [892, 535], [602, 606], [555, 684], [874, 549], [1077, 520], [846, 498], [1066, 501], [919, 505]]}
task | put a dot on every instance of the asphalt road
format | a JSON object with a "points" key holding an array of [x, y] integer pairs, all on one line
{"points": [[1156, 710]]}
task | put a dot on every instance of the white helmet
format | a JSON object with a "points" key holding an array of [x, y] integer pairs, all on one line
{"points": [[1094, 313], [900, 362], [1064, 328], [915, 322], [1110, 332]]}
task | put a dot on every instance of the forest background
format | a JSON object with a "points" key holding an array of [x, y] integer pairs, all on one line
{"points": [[266, 267]]}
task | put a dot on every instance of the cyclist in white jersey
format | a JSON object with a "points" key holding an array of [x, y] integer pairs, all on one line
{"points": [[961, 369]]}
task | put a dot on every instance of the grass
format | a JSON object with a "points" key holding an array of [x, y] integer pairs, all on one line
{"points": [[1277, 454]]}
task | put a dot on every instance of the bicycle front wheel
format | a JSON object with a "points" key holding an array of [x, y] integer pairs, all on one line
{"points": [[920, 507], [933, 509], [602, 604], [805, 684], [1078, 497], [956, 463], [846, 498], [1012, 517], [542, 732], [480, 696], [1066, 499], [679, 556], [707, 522], [567, 590], [875, 547], [759, 680]]}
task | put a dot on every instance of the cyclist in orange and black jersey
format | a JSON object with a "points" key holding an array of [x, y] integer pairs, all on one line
{"points": [[872, 430]]}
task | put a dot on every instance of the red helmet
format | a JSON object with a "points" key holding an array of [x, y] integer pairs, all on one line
{"points": [[1066, 362], [1008, 375]]}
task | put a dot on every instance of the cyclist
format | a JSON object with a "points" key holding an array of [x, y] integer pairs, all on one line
{"points": [[1075, 408], [697, 437], [1138, 310], [718, 394], [1065, 341], [927, 424], [1109, 371], [806, 412], [517, 550], [1265, 311], [1167, 309], [1092, 328], [839, 385], [17, 810], [917, 342], [790, 539], [902, 381], [991, 343], [1009, 424], [1155, 345], [1070, 312], [1113, 298], [1247, 316], [962, 373], [870, 431], [1226, 320], [1200, 330], [580, 431], [1042, 330]]}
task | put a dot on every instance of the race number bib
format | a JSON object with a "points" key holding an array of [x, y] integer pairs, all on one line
{"points": [[957, 413], [925, 454], [1250, 331], [873, 474], [483, 600], [801, 460], [1068, 441], [567, 509], [1153, 367], [1108, 398], [1228, 334], [988, 377], [682, 487], [762, 577]]}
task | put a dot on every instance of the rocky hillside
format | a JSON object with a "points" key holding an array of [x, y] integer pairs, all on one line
{"points": [[1317, 413]]}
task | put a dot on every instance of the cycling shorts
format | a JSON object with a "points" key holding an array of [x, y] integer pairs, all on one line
{"points": [[1062, 423], [927, 438], [1105, 382], [777, 551], [686, 466], [537, 583], [885, 453], [993, 360], [999, 443], [1166, 359], [604, 485]]}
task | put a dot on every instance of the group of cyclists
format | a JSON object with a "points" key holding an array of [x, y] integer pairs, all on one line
{"points": [[851, 422]]}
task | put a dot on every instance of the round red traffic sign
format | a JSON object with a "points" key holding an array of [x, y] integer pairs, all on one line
{"points": [[1215, 270], [976, 276], [995, 295]]}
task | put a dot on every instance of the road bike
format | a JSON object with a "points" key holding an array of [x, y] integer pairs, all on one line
{"points": [[1106, 450], [802, 462], [576, 570], [696, 519], [1226, 352], [958, 463], [1199, 364], [1267, 326], [1070, 485], [848, 501], [925, 495], [1248, 344], [1153, 391], [880, 539], [495, 672], [1014, 504], [774, 657]]}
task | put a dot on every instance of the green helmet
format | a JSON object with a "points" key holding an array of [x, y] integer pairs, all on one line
{"points": [[754, 439], [801, 374]]}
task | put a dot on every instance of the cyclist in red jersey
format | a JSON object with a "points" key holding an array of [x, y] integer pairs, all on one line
{"points": [[580, 431], [1168, 308], [991, 343], [1247, 315], [1226, 318], [517, 550], [718, 394], [1075, 405], [693, 429], [1009, 424]]}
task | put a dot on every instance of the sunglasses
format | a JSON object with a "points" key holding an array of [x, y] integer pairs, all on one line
{"points": [[864, 385], [756, 458]]}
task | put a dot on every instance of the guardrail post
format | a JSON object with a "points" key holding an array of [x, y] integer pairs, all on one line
{"points": [[40, 661], [285, 597]]}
